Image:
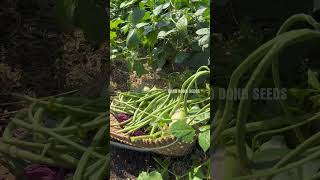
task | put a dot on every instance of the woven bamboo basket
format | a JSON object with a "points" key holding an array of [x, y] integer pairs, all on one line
{"points": [[172, 148]]}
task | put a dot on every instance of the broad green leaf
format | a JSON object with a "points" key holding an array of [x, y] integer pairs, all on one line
{"points": [[133, 39], [115, 23], [147, 30], [203, 31], [138, 67], [166, 5], [127, 3], [204, 140], [125, 28], [182, 24], [113, 35], [181, 129], [162, 34], [154, 175], [200, 11], [140, 25], [159, 57], [194, 109], [161, 61], [203, 117], [163, 24], [195, 46], [312, 80], [204, 128], [137, 15], [197, 173], [196, 178], [198, 59], [151, 38], [159, 8], [204, 40], [146, 16], [181, 57]]}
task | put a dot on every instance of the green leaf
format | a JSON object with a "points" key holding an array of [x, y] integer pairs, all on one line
{"points": [[138, 67], [154, 175], [159, 8], [181, 129], [197, 172], [113, 35], [127, 3], [195, 46], [194, 109], [312, 80], [182, 24], [202, 117], [115, 23], [146, 16], [203, 31], [140, 25], [132, 39], [125, 28], [162, 34], [159, 57], [147, 30], [166, 5], [204, 128], [204, 140], [204, 41], [198, 59], [200, 11], [137, 15], [181, 57]]}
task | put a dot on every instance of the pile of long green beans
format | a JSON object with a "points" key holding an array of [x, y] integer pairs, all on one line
{"points": [[62, 132], [154, 110], [232, 129]]}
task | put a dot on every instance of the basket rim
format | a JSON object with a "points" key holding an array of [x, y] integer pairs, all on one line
{"points": [[144, 143]]}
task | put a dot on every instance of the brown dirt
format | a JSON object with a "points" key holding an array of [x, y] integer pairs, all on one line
{"points": [[127, 164], [123, 80]]}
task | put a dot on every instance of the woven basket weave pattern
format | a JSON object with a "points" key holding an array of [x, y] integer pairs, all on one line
{"points": [[177, 149]]}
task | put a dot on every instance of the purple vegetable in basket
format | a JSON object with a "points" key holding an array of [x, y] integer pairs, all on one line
{"points": [[39, 172], [138, 133], [121, 117]]}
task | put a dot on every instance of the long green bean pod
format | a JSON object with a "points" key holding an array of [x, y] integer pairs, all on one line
{"points": [[284, 40]]}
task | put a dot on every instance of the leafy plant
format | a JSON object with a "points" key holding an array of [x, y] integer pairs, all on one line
{"points": [[154, 175], [163, 32]]}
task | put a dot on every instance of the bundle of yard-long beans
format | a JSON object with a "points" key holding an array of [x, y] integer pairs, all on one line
{"points": [[236, 128], [65, 132], [151, 112]]}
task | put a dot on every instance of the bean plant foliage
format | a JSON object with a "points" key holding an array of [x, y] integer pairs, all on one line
{"points": [[160, 32]]}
